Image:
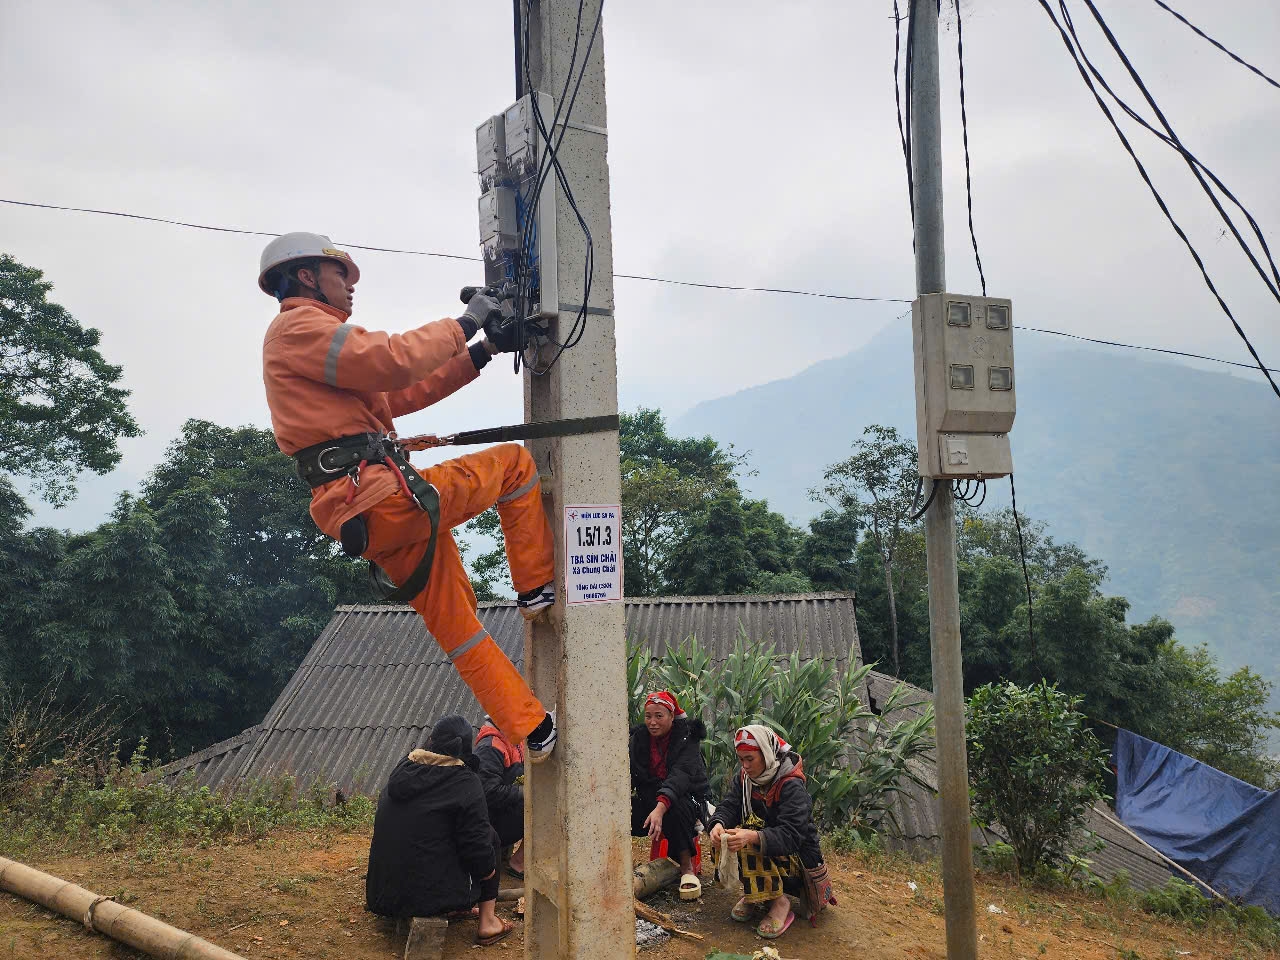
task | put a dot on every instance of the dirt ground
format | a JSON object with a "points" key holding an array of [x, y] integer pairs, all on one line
{"points": [[300, 895]]}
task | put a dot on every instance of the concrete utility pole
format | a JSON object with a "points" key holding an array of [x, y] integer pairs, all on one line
{"points": [[578, 811], [940, 528]]}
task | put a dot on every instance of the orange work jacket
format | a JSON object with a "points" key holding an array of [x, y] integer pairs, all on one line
{"points": [[327, 378]]}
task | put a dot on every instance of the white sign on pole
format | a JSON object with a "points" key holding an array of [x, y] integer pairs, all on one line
{"points": [[593, 554]]}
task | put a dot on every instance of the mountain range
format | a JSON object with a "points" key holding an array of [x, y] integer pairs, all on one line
{"points": [[1168, 473]]}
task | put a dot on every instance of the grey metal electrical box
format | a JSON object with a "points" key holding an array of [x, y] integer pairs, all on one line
{"points": [[510, 151], [965, 386]]}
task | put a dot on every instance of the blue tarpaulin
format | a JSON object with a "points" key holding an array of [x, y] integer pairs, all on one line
{"points": [[1223, 830]]}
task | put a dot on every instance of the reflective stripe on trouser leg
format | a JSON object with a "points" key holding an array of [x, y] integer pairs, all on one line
{"points": [[448, 607], [526, 534]]}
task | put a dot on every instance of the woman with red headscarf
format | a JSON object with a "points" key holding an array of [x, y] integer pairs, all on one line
{"points": [[669, 782], [767, 818]]}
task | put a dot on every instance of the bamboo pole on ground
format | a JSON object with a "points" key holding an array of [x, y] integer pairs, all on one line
{"points": [[103, 915]]}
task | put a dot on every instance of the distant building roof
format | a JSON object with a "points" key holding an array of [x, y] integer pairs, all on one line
{"points": [[374, 681]]}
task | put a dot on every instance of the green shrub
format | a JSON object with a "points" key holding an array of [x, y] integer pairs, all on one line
{"points": [[854, 760], [1177, 899], [995, 857], [1034, 769]]}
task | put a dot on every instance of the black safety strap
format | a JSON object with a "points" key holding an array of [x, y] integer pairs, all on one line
{"points": [[428, 498], [540, 430], [325, 462]]}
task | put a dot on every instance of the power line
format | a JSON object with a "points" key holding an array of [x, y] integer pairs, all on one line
{"points": [[447, 256], [629, 276], [964, 127], [1171, 138], [1239, 60], [1134, 346], [1160, 201]]}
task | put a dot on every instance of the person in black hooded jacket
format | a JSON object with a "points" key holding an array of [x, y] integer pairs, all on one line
{"points": [[433, 850], [669, 782]]}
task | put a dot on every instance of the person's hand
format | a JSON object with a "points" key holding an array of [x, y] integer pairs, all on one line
{"points": [[488, 876], [653, 822], [482, 310], [502, 333], [740, 839], [717, 831]]}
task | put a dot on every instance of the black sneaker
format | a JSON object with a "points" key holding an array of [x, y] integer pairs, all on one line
{"points": [[535, 603], [540, 746]]}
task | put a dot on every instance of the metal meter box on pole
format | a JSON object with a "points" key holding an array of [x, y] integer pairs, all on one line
{"points": [[965, 389], [577, 806], [509, 152]]}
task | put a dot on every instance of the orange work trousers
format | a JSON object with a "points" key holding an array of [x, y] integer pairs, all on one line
{"points": [[504, 475]]}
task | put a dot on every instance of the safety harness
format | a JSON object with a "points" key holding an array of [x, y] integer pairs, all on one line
{"points": [[323, 463]]}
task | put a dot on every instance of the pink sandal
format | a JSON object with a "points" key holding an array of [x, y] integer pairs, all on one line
{"points": [[775, 934]]}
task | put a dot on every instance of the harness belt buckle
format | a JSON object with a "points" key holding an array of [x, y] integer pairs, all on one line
{"points": [[320, 462]]}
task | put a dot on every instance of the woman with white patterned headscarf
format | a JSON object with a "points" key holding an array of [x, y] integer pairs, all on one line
{"points": [[766, 818]]}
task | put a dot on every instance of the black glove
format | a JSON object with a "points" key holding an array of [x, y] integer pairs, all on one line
{"points": [[503, 332], [481, 309]]}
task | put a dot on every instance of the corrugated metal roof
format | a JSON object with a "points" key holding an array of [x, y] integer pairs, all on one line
{"points": [[374, 681]]}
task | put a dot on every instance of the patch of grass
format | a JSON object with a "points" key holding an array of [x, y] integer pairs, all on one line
{"points": [[850, 840], [109, 805]]}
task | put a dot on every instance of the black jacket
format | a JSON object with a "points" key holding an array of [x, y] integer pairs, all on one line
{"points": [[686, 773], [432, 842], [500, 788], [788, 822]]}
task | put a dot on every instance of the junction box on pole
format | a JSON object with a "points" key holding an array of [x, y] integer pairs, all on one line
{"points": [[965, 388]]}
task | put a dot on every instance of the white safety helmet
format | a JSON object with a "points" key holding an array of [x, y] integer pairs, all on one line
{"points": [[300, 246]]}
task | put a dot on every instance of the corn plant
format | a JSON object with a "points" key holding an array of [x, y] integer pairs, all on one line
{"points": [[637, 679]]}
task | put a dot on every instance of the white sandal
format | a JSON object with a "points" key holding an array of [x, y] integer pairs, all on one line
{"points": [[690, 887]]}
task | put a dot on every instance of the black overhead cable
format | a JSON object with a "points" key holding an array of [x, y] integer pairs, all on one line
{"points": [[1239, 60], [1026, 578], [1164, 207], [633, 276], [1171, 138], [549, 163], [1181, 148], [976, 494], [964, 127], [904, 129]]}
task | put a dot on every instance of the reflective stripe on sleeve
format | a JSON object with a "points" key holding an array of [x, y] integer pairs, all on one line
{"points": [[335, 348]]}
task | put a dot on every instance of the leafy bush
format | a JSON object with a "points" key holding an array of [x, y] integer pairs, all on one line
{"points": [[1034, 769], [996, 857], [1177, 899], [854, 760]]}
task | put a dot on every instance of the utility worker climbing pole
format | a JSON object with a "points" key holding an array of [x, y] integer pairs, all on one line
{"points": [[333, 389]]}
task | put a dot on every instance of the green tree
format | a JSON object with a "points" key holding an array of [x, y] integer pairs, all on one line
{"points": [[192, 606], [827, 555], [1223, 722], [1035, 769], [27, 561], [877, 483], [61, 410], [284, 576], [665, 481]]}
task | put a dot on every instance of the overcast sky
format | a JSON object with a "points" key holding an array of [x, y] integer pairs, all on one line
{"points": [[749, 143]]}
